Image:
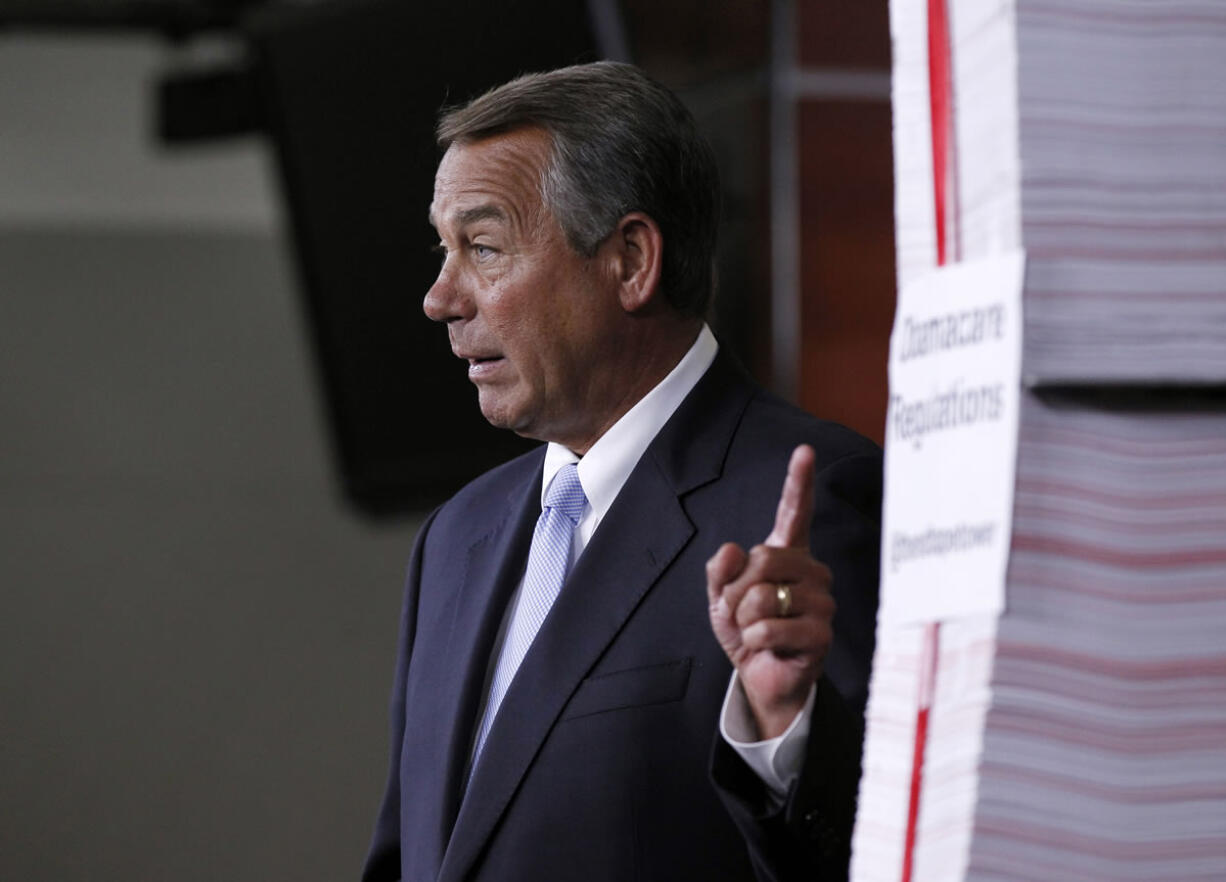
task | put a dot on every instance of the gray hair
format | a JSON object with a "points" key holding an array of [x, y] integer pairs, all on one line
{"points": [[621, 142]]}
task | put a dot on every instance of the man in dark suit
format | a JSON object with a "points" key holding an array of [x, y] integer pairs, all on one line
{"points": [[635, 727]]}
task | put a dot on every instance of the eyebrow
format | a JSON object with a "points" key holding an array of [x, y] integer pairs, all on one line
{"points": [[472, 215]]}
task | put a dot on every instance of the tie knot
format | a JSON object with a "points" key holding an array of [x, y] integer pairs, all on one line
{"points": [[566, 493]]}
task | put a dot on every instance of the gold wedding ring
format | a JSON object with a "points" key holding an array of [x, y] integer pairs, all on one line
{"points": [[783, 594]]}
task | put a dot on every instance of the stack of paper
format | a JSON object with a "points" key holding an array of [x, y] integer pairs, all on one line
{"points": [[986, 162], [1104, 751], [1082, 733], [1077, 723], [1091, 134], [950, 794]]}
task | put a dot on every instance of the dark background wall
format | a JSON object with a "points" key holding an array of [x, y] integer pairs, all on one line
{"points": [[196, 634]]}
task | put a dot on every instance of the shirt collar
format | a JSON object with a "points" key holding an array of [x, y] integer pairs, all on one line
{"points": [[610, 460]]}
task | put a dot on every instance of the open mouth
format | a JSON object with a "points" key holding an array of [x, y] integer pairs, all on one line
{"points": [[479, 367]]}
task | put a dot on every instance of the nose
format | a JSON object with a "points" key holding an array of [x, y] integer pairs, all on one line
{"points": [[445, 301]]}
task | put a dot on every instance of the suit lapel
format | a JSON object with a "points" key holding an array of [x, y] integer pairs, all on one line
{"points": [[445, 697], [641, 535]]}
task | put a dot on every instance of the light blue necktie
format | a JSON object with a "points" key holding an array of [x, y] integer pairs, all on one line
{"points": [[548, 562]]}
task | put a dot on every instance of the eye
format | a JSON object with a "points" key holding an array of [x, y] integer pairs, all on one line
{"points": [[483, 252]]}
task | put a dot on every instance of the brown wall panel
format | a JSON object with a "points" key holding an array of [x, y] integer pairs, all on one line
{"points": [[682, 42], [847, 260], [843, 33]]}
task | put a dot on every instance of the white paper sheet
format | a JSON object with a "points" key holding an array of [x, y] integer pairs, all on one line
{"points": [[951, 441]]}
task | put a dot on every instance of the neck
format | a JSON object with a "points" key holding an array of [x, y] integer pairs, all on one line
{"points": [[644, 361]]}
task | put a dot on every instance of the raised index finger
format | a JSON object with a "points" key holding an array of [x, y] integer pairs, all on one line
{"points": [[794, 516]]}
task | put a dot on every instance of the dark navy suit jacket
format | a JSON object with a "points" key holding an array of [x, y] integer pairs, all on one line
{"points": [[605, 761]]}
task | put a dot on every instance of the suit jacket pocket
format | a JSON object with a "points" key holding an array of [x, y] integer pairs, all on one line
{"points": [[651, 684]]}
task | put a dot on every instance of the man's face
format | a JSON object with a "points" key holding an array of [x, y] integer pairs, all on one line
{"points": [[533, 318]]}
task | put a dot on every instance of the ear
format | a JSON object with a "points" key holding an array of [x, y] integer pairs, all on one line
{"points": [[639, 256]]}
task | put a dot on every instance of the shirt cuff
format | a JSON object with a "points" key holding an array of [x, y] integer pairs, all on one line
{"points": [[777, 761]]}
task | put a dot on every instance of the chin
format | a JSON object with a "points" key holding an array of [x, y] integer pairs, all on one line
{"points": [[502, 417]]}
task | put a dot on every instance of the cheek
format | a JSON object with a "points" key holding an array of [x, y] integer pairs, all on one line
{"points": [[525, 325], [492, 302], [500, 316]]}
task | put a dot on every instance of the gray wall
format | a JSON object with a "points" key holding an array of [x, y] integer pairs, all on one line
{"points": [[195, 636]]}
